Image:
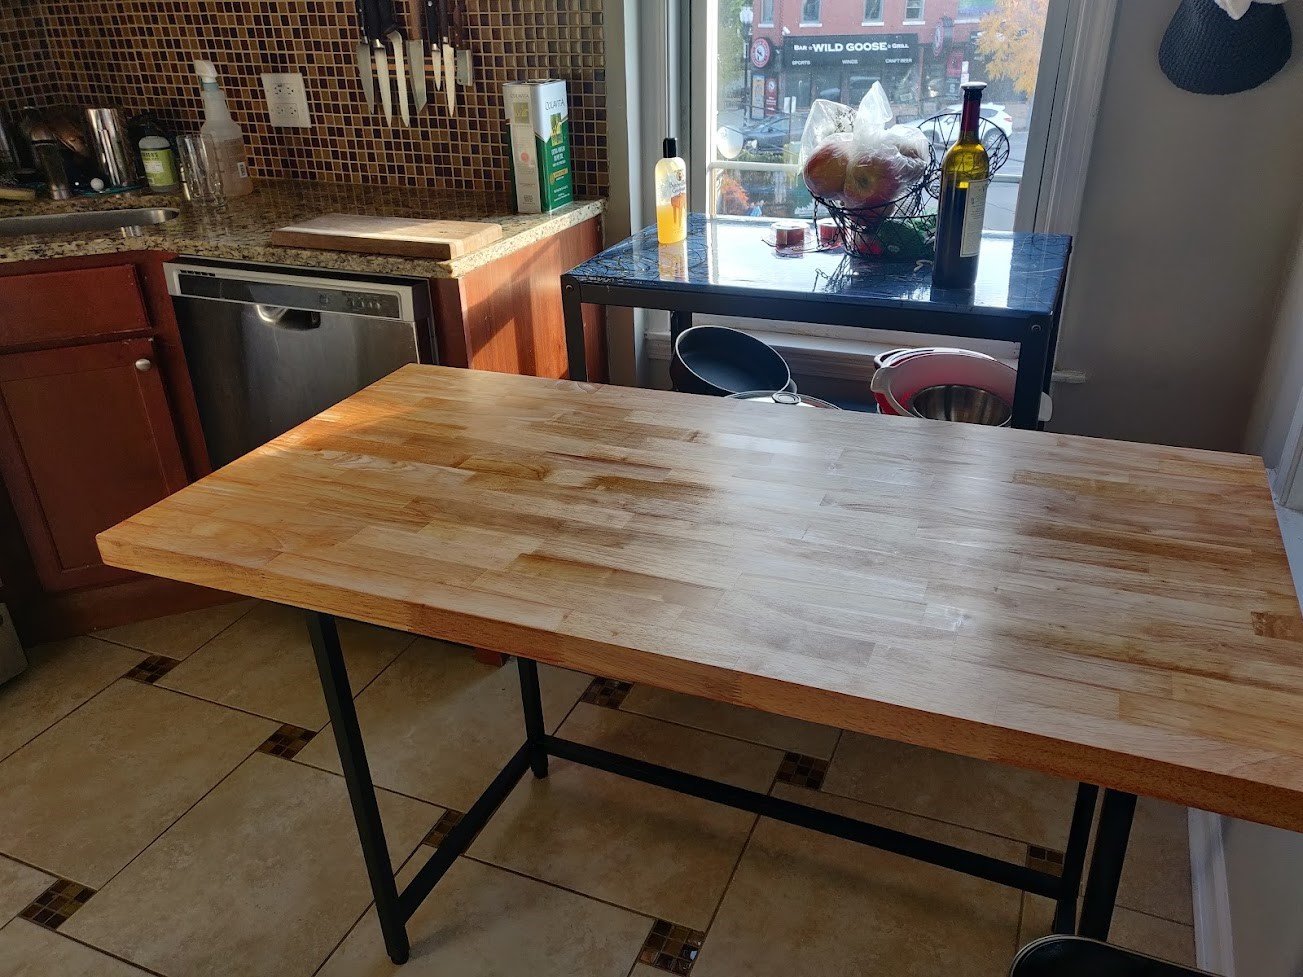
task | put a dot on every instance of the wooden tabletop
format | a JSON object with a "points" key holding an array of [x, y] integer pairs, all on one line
{"points": [[1105, 611]]}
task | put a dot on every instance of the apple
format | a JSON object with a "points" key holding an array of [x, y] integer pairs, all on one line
{"points": [[871, 181], [825, 170]]}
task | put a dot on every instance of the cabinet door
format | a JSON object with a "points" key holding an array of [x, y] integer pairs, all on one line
{"points": [[86, 439]]}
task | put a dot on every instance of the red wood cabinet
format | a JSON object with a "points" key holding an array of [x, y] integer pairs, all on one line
{"points": [[86, 440], [97, 421]]}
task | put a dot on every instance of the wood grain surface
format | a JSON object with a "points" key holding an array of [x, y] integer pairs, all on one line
{"points": [[402, 236], [1105, 611]]}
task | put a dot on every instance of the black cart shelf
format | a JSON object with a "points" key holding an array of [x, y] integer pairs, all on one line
{"points": [[726, 268]]}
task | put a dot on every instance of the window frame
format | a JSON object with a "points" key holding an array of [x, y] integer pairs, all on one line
{"points": [[818, 20], [874, 21], [1078, 39], [762, 21], [921, 17]]}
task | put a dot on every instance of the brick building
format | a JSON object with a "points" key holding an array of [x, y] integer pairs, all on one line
{"points": [[800, 50]]}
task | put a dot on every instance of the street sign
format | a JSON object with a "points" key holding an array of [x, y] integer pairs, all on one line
{"points": [[873, 51]]}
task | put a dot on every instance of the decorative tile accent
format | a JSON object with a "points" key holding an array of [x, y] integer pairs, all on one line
{"points": [[802, 771], [606, 692], [152, 669], [671, 947], [287, 741], [56, 904], [447, 822], [1045, 859], [140, 55]]}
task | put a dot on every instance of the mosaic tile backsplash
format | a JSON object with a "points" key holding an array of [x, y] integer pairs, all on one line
{"points": [[138, 54]]}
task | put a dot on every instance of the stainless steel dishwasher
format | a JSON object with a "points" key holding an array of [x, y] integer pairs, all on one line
{"points": [[268, 347]]}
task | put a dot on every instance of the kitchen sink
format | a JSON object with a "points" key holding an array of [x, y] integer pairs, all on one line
{"points": [[95, 220]]}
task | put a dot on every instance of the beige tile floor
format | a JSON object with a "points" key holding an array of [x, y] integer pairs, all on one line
{"points": [[172, 806]]}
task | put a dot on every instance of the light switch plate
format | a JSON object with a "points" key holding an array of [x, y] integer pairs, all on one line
{"points": [[287, 99]]}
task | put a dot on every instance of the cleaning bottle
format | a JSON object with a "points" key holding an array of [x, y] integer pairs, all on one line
{"points": [[223, 134], [671, 180]]}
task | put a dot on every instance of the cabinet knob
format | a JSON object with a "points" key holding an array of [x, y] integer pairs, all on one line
{"points": [[143, 365]]}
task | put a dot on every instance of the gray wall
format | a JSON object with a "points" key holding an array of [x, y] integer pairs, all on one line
{"points": [[1188, 222], [1264, 876], [1282, 376]]}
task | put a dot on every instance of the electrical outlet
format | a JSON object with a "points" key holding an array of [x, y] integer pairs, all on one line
{"points": [[287, 99]]}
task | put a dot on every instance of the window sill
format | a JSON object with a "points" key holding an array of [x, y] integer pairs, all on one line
{"points": [[873, 23], [810, 23], [912, 23]]}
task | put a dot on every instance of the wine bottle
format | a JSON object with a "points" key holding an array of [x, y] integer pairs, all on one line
{"points": [[965, 173]]}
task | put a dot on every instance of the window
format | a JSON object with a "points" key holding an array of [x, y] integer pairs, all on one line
{"points": [[753, 114], [873, 11], [810, 12], [766, 13], [913, 10], [971, 11]]}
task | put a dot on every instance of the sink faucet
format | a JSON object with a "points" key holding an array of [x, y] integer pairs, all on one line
{"points": [[49, 157]]}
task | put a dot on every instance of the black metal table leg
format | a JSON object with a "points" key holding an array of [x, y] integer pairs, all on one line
{"points": [[679, 321], [1033, 352], [1074, 858], [357, 775], [531, 699], [1111, 838], [572, 310]]}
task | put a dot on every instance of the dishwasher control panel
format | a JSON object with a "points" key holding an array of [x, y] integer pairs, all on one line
{"points": [[290, 291]]}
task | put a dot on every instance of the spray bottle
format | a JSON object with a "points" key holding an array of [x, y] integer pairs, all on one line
{"points": [[223, 134]]}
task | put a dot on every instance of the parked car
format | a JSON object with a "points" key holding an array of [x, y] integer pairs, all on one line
{"points": [[943, 131], [771, 134]]}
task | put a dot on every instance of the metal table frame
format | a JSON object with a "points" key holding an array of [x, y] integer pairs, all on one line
{"points": [[1036, 336], [395, 907]]}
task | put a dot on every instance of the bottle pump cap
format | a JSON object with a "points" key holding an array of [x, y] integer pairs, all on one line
{"points": [[671, 147]]}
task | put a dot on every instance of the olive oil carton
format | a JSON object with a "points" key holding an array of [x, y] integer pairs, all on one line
{"points": [[538, 118]]}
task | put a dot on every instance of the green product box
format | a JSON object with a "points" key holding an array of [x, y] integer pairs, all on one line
{"points": [[538, 117]]}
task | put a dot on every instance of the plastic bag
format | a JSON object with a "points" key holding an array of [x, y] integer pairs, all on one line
{"points": [[826, 119], [875, 111], [856, 157]]}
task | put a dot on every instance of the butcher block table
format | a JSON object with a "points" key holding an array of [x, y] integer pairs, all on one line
{"points": [[1119, 614]]}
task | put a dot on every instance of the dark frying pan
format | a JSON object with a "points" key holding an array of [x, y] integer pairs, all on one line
{"points": [[719, 361]]}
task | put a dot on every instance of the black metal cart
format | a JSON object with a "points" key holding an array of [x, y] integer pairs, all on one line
{"points": [[726, 267]]}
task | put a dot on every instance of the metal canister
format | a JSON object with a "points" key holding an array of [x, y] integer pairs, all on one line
{"points": [[113, 149]]}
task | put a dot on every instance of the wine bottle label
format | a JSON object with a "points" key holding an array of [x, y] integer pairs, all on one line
{"points": [[970, 240]]}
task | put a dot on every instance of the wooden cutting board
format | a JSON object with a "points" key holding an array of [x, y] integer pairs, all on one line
{"points": [[403, 236]]}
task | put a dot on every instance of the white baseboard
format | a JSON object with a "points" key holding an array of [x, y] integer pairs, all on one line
{"points": [[1213, 944]]}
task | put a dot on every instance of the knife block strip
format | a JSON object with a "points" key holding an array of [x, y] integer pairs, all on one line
{"points": [[405, 237]]}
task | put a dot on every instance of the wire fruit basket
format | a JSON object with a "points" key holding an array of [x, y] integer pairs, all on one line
{"points": [[904, 228]]}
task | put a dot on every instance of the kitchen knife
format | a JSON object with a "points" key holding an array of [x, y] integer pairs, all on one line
{"points": [[449, 59], [400, 75], [363, 55], [457, 31], [365, 73], [436, 47], [416, 55], [382, 73]]}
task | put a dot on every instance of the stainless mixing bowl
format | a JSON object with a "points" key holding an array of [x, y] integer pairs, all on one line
{"points": [[958, 402]]}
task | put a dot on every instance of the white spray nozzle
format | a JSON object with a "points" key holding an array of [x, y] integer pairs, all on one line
{"points": [[206, 71]]}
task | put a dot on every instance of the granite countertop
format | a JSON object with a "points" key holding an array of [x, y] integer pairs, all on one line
{"points": [[241, 230]]}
